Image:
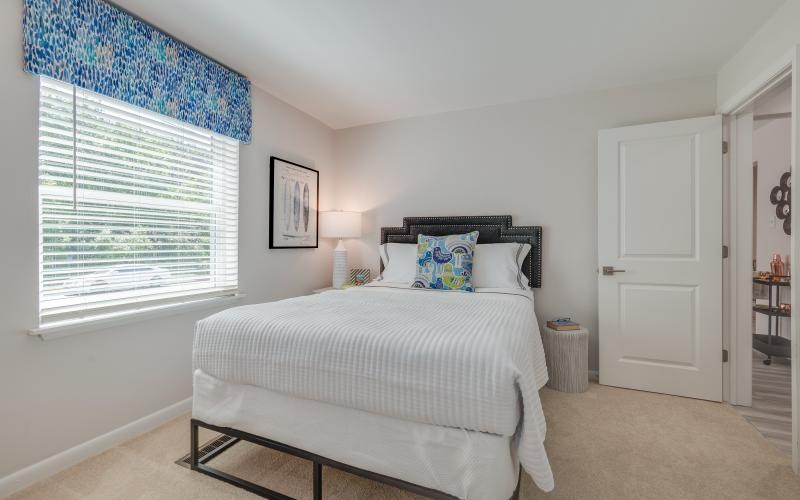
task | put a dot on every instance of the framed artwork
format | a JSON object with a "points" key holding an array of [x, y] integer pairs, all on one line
{"points": [[359, 277], [293, 202]]}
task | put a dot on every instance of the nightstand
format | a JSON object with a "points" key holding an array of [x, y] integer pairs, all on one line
{"points": [[329, 288], [567, 355]]}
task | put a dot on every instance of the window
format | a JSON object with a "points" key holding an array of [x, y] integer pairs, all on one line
{"points": [[136, 210]]}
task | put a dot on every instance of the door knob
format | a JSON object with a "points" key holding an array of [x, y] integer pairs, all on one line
{"points": [[609, 270]]}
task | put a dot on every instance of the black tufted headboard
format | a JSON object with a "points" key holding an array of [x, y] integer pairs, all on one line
{"points": [[492, 228]]}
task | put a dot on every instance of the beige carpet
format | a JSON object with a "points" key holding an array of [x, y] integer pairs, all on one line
{"points": [[604, 444]]}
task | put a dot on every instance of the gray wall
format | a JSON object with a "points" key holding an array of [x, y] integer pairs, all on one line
{"points": [[766, 49], [60, 393], [534, 160]]}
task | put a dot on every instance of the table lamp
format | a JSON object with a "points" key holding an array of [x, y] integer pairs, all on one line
{"points": [[341, 225]]}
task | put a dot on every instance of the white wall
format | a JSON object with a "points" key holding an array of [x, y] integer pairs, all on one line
{"points": [[534, 160], [771, 42], [57, 394], [772, 149]]}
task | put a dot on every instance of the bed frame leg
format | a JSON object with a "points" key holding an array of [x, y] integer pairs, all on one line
{"points": [[317, 481], [193, 445]]}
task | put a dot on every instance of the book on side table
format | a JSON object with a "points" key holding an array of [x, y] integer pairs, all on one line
{"points": [[561, 324]]}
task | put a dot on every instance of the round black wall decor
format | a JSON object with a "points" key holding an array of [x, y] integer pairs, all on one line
{"points": [[781, 197]]}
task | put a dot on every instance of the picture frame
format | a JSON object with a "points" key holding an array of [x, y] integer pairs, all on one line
{"points": [[293, 205], [359, 276]]}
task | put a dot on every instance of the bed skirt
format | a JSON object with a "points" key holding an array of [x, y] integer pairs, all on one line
{"points": [[461, 463]]}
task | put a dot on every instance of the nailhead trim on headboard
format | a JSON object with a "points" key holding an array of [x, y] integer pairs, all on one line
{"points": [[499, 230]]}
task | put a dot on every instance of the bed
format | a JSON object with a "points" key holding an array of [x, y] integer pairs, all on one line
{"points": [[434, 392]]}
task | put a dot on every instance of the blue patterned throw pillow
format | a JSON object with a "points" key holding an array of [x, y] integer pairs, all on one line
{"points": [[445, 262]]}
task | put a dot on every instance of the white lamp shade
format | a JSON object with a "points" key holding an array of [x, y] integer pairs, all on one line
{"points": [[340, 224]]}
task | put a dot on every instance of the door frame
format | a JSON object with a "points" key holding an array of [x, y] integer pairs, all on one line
{"points": [[739, 296], [737, 336]]}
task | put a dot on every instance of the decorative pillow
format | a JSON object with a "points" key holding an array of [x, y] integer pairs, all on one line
{"points": [[445, 262]]}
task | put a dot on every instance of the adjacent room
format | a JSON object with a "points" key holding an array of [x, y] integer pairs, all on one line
{"points": [[348, 249], [766, 131]]}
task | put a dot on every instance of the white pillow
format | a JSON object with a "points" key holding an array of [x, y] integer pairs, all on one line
{"points": [[499, 265], [399, 262], [494, 265]]}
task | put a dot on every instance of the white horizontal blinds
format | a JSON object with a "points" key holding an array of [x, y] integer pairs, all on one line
{"points": [[136, 209]]}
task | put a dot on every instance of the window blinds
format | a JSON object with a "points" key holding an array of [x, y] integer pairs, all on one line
{"points": [[137, 210]]}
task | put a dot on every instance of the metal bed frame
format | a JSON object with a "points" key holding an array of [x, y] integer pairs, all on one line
{"points": [[201, 465], [493, 229]]}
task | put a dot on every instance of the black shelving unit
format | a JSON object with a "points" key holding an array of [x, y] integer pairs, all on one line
{"points": [[772, 344]]}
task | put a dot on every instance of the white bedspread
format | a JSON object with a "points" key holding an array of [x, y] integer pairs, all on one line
{"points": [[456, 359]]}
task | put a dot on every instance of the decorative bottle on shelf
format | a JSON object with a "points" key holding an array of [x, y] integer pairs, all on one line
{"points": [[777, 267]]}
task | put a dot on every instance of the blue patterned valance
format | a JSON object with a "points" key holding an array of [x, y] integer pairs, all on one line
{"points": [[96, 46]]}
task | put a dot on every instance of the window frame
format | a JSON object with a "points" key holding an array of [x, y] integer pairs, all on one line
{"points": [[140, 302]]}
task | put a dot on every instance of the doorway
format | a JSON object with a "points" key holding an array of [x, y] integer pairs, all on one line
{"points": [[764, 135]]}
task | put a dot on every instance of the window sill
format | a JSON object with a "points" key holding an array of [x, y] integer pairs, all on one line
{"points": [[67, 328]]}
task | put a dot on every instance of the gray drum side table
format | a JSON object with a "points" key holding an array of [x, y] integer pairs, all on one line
{"points": [[567, 355]]}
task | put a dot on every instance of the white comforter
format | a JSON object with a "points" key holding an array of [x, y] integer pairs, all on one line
{"points": [[455, 359]]}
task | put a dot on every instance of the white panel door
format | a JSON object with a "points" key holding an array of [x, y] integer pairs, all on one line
{"points": [[659, 209]]}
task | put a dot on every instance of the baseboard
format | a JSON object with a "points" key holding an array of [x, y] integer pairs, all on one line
{"points": [[67, 458]]}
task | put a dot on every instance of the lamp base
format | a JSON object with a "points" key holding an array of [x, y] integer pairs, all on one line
{"points": [[339, 265]]}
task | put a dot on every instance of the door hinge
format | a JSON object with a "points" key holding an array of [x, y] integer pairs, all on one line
{"points": [[724, 355], [724, 147], [724, 251]]}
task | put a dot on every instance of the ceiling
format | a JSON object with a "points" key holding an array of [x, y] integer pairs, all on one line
{"points": [[352, 62]]}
